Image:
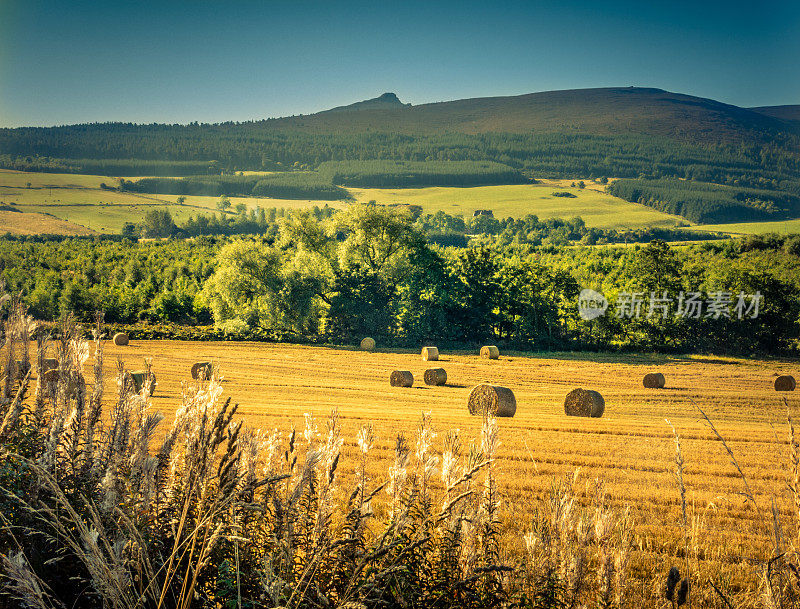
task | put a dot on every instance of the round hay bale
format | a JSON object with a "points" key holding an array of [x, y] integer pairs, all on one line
{"points": [[203, 369], [584, 403], [367, 344], [138, 377], [785, 383], [430, 354], [401, 378], [654, 380], [490, 352], [492, 399], [121, 339], [435, 376]]}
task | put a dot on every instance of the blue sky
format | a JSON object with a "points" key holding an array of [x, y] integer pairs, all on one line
{"points": [[175, 62]]}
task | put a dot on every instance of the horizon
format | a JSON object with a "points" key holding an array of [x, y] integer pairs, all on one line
{"points": [[400, 98], [175, 62]]}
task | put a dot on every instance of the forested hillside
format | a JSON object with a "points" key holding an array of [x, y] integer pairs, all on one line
{"points": [[621, 132], [702, 202]]}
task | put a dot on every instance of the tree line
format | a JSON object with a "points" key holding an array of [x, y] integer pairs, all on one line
{"points": [[409, 174], [440, 228], [709, 203], [256, 145], [371, 270], [109, 167], [286, 185]]}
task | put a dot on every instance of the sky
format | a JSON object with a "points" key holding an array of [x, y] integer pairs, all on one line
{"points": [[181, 61]]}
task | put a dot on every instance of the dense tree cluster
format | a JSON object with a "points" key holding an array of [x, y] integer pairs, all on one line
{"points": [[108, 167], [446, 229], [440, 228], [287, 185], [703, 202], [372, 270], [258, 146], [409, 174]]}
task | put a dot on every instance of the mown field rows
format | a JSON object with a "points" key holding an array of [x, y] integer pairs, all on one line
{"points": [[631, 449]]}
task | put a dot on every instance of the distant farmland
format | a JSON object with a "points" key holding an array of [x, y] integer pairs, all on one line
{"points": [[79, 201], [598, 209]]}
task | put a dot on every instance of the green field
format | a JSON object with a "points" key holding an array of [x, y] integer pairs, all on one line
{"points": [[783, 227], [79, 200], [20, 179], [210, 203], [596, 208]]}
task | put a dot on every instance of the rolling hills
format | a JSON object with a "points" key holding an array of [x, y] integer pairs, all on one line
{"points": [[785, 113], [605, 111], [622, 132]]}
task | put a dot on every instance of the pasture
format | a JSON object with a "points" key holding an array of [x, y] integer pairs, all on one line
{"points": [[77, 205], [631, 449], [78, 201], [782, 227], [598, 209]]}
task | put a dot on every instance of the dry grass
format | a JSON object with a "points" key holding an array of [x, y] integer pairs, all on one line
{"points": [[718, 524], [631, 448], [18, 223]]}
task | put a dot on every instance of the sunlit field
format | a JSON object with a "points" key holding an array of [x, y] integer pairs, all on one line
{"points": [[79, 201], [598, 209], [631, 448], [783, 227]]}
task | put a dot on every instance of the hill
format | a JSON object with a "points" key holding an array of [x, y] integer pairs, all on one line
{"points": [[785, 113], [384, 102], [623, 132], [604, 111]]}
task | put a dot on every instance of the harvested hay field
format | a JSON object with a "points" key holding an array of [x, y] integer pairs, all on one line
{"points": [[631, 448], [21, 223]]}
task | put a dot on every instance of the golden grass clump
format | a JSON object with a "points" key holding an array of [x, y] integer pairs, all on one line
{"points": [[121, 339], [785, 383], [368, 344], [401, 378], [493, 400], [201, 369], [584, 403], [490, 352], [138, 377], [435, 376], [430, 354], [654, 380]]}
